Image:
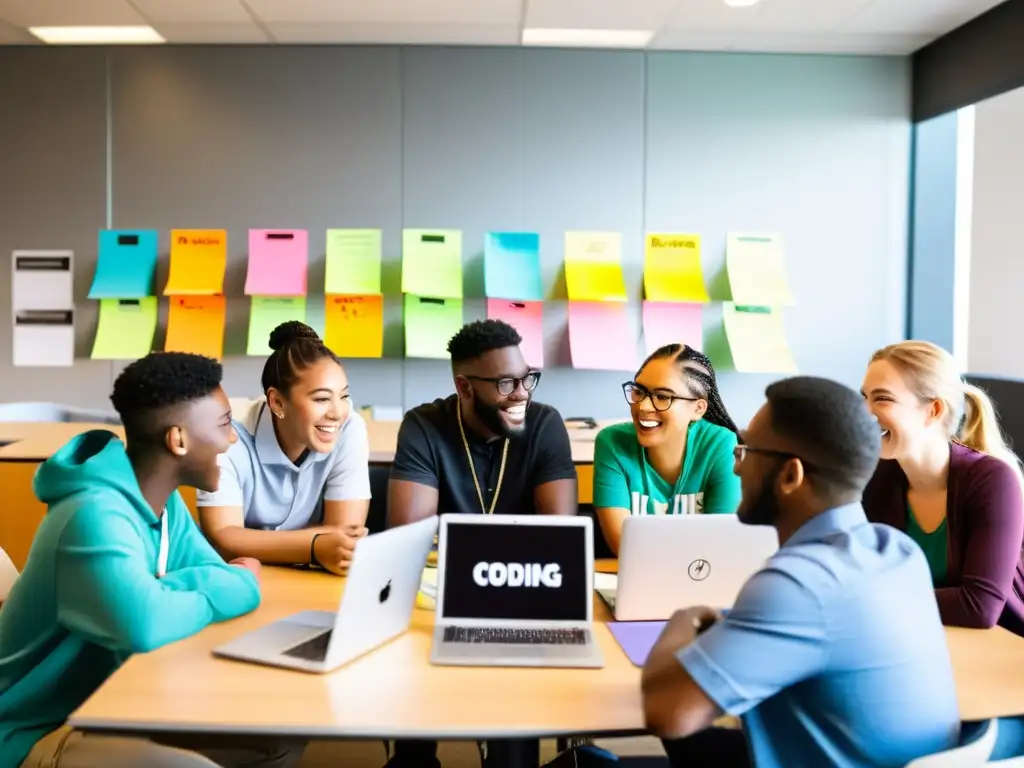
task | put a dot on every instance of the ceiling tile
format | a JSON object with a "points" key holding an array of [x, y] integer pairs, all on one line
{"points": [[55, 13], [409, 13], [934, 17], [191, 11], [599, 14], [777, 15], [181, 32], [874, 44], [393, 34]]}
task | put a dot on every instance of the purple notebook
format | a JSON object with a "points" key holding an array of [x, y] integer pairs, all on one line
{"points": [[636, 637]]}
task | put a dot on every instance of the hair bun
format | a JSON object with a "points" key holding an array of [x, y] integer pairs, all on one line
{"points": [[288, 332]]}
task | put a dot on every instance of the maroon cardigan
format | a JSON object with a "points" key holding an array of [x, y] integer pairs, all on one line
{"points": [[985, 529]]}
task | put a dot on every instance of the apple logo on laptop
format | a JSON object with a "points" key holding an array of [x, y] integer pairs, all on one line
{"points": [[386, 592]]}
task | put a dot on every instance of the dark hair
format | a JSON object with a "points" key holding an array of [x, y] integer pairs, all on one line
{"points": [[480, 337], [295, 347], [700, 378], [158, 382], [827, 424]]}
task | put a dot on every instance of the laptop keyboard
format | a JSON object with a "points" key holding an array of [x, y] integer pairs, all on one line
{"points": [[314, 649], [508, 636]]}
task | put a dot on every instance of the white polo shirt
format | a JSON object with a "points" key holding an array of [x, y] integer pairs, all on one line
{"points": [[273, 493]]}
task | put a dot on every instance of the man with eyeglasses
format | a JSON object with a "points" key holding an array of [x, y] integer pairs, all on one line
{"points": [[834, 653], [489, 448]]}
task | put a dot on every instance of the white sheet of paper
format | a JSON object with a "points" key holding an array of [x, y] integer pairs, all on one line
{"points": [[42, 280], [606, 581]]}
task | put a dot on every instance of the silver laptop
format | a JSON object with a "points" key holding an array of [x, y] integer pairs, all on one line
{"points": [[668, 562], [376, 606], [515, 591]]}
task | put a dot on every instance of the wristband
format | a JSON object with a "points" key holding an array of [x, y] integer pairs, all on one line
{"points": [[312, 552]]}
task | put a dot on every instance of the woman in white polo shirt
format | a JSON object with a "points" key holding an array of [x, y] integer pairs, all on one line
{"points": [[295, 488]]}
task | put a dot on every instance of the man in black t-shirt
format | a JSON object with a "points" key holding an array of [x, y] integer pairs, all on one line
{"points": [[488, 449]]}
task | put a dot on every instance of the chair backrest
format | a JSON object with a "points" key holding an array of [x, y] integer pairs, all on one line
{"points": [[976, 743], [8, 575]]}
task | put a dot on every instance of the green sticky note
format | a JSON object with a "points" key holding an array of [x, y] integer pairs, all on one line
{"points": [[265, 314], [432, 263], [429, 325], [126, 328], [353, 262]]}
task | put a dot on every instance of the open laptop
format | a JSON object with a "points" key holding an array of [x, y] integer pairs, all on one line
{"points": [[668, 562], [376, 606], [515, 591]]}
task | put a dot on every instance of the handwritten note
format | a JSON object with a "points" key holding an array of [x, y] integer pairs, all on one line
{"points": [[757, 270], [432, 263], [601, 336], [196, 324], [126, 265], [278, 259], [44, 338], [198, 260], [757, 339], [354, 325], [265, 314], [42, 280], [429, 325], [527, 317], [512, 266], [672, 268], [593, 267], [353, 262], [672, 323], [126, 328]]}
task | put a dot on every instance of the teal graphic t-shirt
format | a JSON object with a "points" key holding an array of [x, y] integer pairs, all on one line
{"points": [[624, 479]]}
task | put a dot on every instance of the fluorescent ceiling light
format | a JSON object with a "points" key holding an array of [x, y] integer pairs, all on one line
{"points": [[589, 38], [96, 35], [741, 3]]}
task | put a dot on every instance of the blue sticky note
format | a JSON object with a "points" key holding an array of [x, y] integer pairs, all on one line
{"points": [[512, 266], [126, 264]]}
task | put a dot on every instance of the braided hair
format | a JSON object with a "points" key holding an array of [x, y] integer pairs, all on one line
{"points": [[700, 378]]}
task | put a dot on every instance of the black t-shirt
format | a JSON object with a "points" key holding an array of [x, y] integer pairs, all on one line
{"points": [[430, 452]]}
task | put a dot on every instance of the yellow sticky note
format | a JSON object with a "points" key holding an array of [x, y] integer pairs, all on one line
{"points": [[757, 270], [757, 339], [672, 269], [354, 325], [198, 260], [593, 266], [125, 330]]}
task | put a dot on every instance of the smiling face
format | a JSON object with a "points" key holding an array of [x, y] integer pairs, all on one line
{"points": [[662, 403], [907, 421], [208, 433], [315, 407], [498, 386]]}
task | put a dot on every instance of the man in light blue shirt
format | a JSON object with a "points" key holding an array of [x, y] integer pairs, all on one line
{"points": [[834, 653]]}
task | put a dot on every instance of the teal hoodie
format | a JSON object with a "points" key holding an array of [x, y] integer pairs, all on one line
{"points": [[89, 596]]}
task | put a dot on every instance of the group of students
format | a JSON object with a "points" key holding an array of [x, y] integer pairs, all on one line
{"points": [[833, 654]]}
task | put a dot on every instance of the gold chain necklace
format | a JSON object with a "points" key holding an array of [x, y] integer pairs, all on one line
{"points": [[472, 468]]}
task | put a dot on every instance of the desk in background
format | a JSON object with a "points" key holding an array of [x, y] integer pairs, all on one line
{"points": [[24, 446]]}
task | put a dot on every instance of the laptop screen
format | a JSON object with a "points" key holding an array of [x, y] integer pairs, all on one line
{"points": [[515, 571]]}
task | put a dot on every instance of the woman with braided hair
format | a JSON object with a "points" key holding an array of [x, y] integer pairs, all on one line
{"points": [[676, 456]]}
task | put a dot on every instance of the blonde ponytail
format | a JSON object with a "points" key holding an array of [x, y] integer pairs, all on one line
{"points": [[980, 431]]}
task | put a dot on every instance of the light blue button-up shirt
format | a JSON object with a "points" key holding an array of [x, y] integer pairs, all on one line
{"points": [[273, 493], [834, 653]]}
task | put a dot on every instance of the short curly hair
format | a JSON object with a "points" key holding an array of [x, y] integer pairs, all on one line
{"points": [[480, 337], [158, 382]]}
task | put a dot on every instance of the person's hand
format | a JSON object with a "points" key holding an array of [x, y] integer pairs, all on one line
{"points": [[250, 564], [334, 549], [686, 624]]}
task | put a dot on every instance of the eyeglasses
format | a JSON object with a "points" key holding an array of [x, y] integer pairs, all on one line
{"points": [[508, 384], [740, 452], [662, 401]]}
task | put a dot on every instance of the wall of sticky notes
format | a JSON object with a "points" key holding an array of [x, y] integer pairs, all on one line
{"points": [[387, 195]]}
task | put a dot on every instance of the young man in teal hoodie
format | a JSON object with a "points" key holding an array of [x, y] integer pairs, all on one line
{"points": [[118, 566]]}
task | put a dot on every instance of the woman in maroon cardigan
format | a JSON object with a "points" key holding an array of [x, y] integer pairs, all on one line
{"points": [[949, 481]]}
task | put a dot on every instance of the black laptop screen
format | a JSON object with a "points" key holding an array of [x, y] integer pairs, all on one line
{"points": [[515, 571]]}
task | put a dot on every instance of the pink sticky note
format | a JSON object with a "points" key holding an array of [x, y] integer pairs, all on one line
{"points": [[668, 322], [527, 317], [277, 262], [601, 336]]}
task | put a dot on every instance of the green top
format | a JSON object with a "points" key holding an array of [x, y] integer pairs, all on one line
{"points": [[623, 478], [932, 544]]}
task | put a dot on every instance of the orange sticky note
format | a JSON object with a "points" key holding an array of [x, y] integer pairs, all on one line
{"points": [[196, 324], [354, 325], [198, 260]]}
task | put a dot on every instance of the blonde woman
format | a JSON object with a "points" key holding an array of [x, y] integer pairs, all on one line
{"points": [[948, 479]]}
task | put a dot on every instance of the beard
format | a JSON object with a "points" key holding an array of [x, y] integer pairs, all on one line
{"points": [[763, 509], [490, 417]]}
